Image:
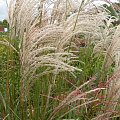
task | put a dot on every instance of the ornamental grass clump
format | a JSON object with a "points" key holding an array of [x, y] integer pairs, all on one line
{"points": [[110, 48], [47, 32], [112, 58], [50, 34]]}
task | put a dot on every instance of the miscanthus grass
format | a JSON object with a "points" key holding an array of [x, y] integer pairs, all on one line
{"points": [[61, 61]]}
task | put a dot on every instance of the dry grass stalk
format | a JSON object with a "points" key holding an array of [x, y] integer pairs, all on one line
{"points": [[74, 96], [8, 44]]}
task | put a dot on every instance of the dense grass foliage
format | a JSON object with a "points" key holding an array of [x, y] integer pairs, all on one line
{"points": [[58, 65]]}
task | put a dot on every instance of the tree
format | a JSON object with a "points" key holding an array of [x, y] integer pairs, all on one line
{"points": [[4, 23]]}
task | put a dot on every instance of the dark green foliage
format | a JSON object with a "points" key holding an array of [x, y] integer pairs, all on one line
{"points": [[4, 23]]}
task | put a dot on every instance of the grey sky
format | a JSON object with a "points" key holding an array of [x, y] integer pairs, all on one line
{"points": [[3, 8]]}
